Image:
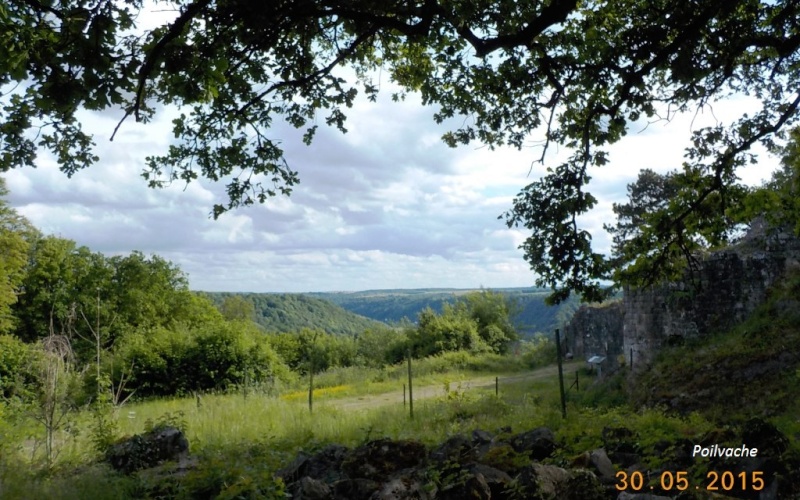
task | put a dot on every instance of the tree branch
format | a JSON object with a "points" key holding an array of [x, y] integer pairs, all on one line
{"points": [[152, 57], [554, 13]]}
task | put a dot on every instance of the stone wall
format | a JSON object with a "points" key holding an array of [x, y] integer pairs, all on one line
{"points": [[596, 330], [728, 286]]}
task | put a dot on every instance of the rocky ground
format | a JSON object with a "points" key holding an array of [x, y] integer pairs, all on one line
{"points": [[500, 465]]}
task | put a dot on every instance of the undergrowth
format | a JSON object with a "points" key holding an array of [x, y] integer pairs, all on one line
{"points": [[755, 364], [238, 441]]}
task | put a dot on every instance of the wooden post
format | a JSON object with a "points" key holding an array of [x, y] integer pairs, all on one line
{"points": [[561, 376], [410, 388], [312, 351], [577, 384], [404, 395], [310, 387], [496, 386]]}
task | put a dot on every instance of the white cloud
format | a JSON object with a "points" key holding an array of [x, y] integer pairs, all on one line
{"points": [[386, 205]]}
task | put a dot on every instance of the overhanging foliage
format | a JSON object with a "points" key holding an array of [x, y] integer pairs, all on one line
{"points": [[577, 73]]}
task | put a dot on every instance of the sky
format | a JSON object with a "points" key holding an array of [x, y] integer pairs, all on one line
{"points": [[386, 205]]}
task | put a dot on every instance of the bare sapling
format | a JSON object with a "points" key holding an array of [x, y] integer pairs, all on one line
{"points": [[54, 406], [116, 388]]}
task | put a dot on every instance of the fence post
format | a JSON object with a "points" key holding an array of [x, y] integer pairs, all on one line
{"points": [[311, 354], [404, 395], [561, 376], [311, 388], [577, 384], [410, 388], [496, 386]]}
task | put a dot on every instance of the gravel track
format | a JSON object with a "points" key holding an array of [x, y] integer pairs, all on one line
{"points": [[432, 391]]}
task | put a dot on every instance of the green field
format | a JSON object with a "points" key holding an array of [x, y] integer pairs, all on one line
{"points": [[237, 441]]}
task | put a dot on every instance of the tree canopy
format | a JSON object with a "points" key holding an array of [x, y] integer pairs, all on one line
{"points": [[578, 74], [15, 235]]}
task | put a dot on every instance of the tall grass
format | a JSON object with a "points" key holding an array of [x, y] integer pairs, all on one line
{"points": [[237, 442], [253, 436]]}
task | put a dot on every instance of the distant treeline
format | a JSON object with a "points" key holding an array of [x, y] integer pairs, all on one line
{"points": [[286, 312], [531, 314], [78, 327]]}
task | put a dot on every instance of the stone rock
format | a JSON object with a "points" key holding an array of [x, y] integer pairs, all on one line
{"points": [[496, 479], [503, 457], [773, 470], [379, 459], [457, 448], [309, 488], [147, 450], [355, 489], [543, 481], [481, 437], [757, 433], [294, 470], [602, 466], [770, 492], [540, 443], [326, 464], [582, 485], [580, 461], [164, 480], [402, 487], [473, 487], [768, 466]]}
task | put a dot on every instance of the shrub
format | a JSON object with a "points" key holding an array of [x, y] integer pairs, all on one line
{"points": [[218, 356], [493, 311], [453, 330], [15, 358], [379, 346], [158, 358], [539, 351]]}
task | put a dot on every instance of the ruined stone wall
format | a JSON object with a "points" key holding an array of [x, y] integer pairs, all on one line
{"points": [[596, 331], [728, 286]]}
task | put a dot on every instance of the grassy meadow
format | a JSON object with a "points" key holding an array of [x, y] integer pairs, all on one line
{"points": [[238, 440], [246, 435]]}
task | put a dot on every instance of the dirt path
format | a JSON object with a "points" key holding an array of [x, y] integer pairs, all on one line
{"points": [[432, 391]]}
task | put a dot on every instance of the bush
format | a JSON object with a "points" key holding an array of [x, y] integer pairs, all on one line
{"points": [[453, 330], [229, 354], [492, 311], [538, 352], [380, 346], [15, 360], [218, 356], [288, 348], [158, 357], [322, 349]]}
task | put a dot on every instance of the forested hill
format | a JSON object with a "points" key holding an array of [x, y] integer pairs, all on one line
{"points": [[394, 305], [285, 312]]}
